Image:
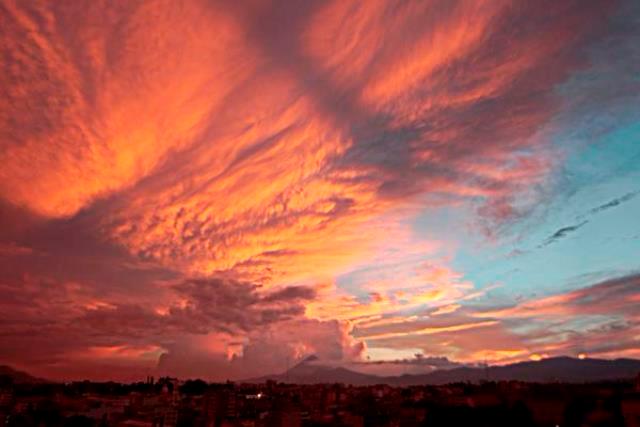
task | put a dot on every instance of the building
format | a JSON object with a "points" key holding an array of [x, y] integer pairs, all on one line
{"points": [[631, 411], [166, 416]]}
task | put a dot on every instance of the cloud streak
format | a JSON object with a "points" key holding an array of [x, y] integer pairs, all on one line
{"points": [[221, 167], [563, 232], [614, 203]]}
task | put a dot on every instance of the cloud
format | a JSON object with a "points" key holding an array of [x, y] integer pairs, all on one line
{"points": [[228, 305], [614, 203], [419, 364], [599, 319], [334, 134], [420, 359], [199, 173], [460, 337], [78, 83], [565, 231], [431, 330], [12, 249], [613, 296], [562, 233], [291, 293], [270, 351], [446, 309], [74, 325], [201, 306], [394, 288]]}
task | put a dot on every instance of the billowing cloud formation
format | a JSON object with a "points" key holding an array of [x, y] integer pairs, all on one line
{"points": [[66, 319], [270, 350], [239, 159]]}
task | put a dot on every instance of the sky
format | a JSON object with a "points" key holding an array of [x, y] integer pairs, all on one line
{"points": [[219, 189]]}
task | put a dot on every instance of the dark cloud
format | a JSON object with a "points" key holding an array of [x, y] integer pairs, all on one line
{"points": [[419, 359], [68, 318], [615, 202], [614, 295], [229, 304], [290, 293], [562, 233], [565, 231]]}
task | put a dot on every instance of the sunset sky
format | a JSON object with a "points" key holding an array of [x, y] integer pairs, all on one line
{"points": [[218, 189]]}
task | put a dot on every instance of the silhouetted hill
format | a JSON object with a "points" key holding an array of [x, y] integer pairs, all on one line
{"points": [[18, 377], [561, 369]]}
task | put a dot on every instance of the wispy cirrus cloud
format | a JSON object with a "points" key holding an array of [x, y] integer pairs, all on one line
{"points": [[562, 233], [211, 188], [614, 203]]}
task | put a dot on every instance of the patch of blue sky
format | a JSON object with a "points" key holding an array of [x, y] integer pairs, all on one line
{"points": [[535, 264]]}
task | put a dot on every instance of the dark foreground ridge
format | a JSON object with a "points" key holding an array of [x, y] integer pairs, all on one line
{"points": [[554, 392], [169, 402]]}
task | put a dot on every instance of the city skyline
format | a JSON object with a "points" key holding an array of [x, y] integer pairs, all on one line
{"points": [[213, 190]]}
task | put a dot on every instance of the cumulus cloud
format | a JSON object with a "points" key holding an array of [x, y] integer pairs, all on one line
{"points": [[271, 350]]}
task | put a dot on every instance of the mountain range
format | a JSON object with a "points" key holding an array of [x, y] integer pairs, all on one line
{"points": [[561, 369], [557, 369]]}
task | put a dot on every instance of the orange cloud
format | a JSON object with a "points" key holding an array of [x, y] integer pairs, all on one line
{"points": [[217, 157], [430, 330], [96, 101]]}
